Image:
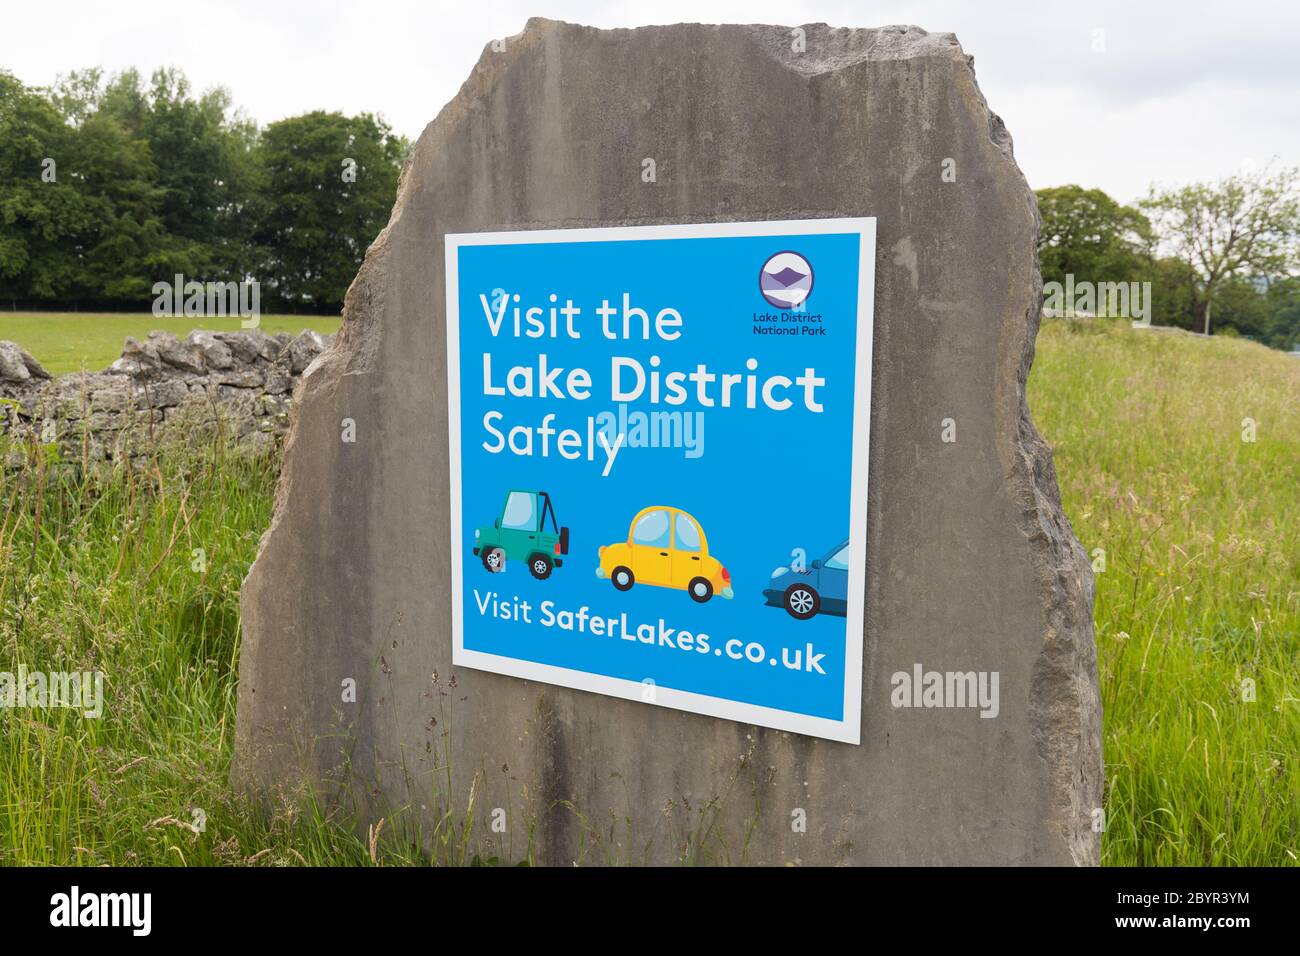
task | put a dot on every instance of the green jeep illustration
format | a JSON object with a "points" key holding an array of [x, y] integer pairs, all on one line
{"points": [[520, 535]]}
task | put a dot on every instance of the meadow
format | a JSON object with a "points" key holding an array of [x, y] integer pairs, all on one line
{"points": [[1179, 460], [91, 341], [1179, 457]]}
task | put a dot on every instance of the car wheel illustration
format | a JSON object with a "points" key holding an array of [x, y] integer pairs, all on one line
{"points": [[494, 559], [700, 590], [622, 578], [802, 601], [539, 565]]}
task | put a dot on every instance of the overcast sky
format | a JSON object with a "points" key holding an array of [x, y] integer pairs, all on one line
{"points": [[1177, 91]]}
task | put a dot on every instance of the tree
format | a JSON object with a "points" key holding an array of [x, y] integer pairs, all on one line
{"points": [[330, 181], [1284, 328], [118, 171], [204, 155], [109, 184], [205, 181], [1087, 234], [1173, 284], [43, 215], [112, 166], [1243, 306], [1243, 226]]}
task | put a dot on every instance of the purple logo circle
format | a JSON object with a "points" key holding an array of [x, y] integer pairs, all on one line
{"points": [[786, 280]]}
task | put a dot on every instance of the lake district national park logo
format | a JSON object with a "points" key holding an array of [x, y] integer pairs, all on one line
{"points": [[786, 280]]}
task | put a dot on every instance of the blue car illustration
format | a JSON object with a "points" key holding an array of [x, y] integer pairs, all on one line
{"points": [[820, 588]]}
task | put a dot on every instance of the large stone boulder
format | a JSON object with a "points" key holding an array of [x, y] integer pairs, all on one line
{"points": [[971, 564]]}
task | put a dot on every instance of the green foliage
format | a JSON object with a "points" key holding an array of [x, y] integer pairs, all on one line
{"points": [[333, 178], [1283, 329], [1267, 312], [42, 223], [1087, 234], [1243, 227], [151, 179], [1173, 292], [1225, 249]]}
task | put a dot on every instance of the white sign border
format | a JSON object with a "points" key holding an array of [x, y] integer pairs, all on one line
{"points": [[847, 730]]}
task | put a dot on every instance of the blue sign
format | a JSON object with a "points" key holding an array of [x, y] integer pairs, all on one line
{"points": [[659, 444]]}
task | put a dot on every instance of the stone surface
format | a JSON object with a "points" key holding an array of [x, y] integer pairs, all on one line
{"points": [[971, 563], [216, 354], [241, 380], [303, 351], [179, 355], [18, 366]]}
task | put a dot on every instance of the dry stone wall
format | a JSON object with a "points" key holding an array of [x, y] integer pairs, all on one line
{"points": [[160, 390]]}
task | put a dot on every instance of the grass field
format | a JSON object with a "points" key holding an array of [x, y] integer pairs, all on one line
{"points": [[1201, 587], [1200, 593], [72, 341]]}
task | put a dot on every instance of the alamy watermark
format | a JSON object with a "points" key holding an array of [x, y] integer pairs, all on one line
{"points": [[209, 299], [133, 911], [41, 690], [946, 689], [1102, 300]]}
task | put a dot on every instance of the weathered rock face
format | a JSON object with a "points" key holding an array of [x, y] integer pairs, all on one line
{"points": [[17, 365], [971, 563], [159, 389]]}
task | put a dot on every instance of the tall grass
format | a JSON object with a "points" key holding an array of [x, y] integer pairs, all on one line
{"points": [[101, 570], [135, 573], [1198, 605]]}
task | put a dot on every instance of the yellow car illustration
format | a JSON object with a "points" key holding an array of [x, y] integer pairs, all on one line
{"points": [[665, 547]]}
